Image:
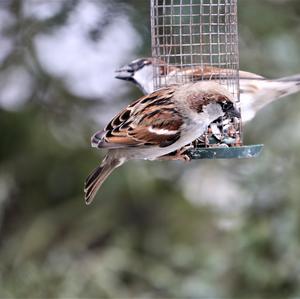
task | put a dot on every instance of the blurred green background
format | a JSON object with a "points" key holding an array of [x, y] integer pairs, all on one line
{"points": [[205, 229]]}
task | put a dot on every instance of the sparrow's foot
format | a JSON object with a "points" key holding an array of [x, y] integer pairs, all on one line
{"points": [[206, 140], [179, 155], [238, 141]]}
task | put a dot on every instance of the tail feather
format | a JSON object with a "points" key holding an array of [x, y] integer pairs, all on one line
{"points": [[293, 78], [266, 91], [98, 176], [285, 86]]}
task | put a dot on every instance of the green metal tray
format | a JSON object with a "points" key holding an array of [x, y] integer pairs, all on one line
{"points": [[237, 152]]}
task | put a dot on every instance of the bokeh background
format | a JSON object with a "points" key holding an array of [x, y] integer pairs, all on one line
{"points": [[217, 229]]}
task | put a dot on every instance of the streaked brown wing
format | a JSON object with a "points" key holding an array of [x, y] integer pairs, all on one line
{"points": [[150, 121], [159, 127]]}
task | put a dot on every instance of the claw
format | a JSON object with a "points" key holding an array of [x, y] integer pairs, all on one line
{"points": [[179, 155]]}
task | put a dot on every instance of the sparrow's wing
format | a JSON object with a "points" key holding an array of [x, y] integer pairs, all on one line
{"points": [[150, 121], [215, 73]]}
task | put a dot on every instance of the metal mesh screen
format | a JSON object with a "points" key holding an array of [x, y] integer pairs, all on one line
{"points": [[195, 40]]}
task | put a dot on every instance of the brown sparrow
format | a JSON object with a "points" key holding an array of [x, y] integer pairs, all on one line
{"points": [[255, 90], [158, 124]]}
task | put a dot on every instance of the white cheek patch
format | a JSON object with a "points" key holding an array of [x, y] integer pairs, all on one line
{"points": [[162, 131], [213, 110], [144, 78]]}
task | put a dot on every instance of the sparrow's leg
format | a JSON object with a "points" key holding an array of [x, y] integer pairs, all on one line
{"points": [[206, 140], [233, 133], [199, 142], [179, 155]]}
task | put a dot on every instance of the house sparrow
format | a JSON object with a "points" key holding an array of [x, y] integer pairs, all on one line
{"points": [[158, 124], [255, 90]]}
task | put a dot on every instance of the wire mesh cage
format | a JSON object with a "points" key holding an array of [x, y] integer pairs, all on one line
{"points": [[198, 40]]}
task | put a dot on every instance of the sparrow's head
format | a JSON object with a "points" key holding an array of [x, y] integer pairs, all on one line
{"points": [[211, 98], [140, 72]]}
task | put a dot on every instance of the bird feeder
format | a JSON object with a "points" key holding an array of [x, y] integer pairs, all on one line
{"points": [[196, 40]]}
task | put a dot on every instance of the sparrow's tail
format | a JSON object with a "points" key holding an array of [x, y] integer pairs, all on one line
{"points": [[264, 91], [281, 87], [94, 181], [288, 85]]}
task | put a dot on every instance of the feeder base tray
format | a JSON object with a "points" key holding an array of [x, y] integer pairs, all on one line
{"points": [[237, 152]]}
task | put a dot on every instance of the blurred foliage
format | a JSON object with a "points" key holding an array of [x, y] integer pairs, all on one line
{"points": [[156, 229]]}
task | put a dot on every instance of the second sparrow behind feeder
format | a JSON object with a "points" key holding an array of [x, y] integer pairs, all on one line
{"points": [[255, 91]]}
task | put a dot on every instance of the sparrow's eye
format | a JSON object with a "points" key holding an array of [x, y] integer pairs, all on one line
{"points": [[137, 65], [227, 106], [132, 68]]}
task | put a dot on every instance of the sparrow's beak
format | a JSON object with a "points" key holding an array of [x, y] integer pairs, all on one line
{"points": [[233, 112], [125, 73]]}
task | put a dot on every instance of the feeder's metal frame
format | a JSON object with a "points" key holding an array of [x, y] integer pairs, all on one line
{"points": [[196, 34]]}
